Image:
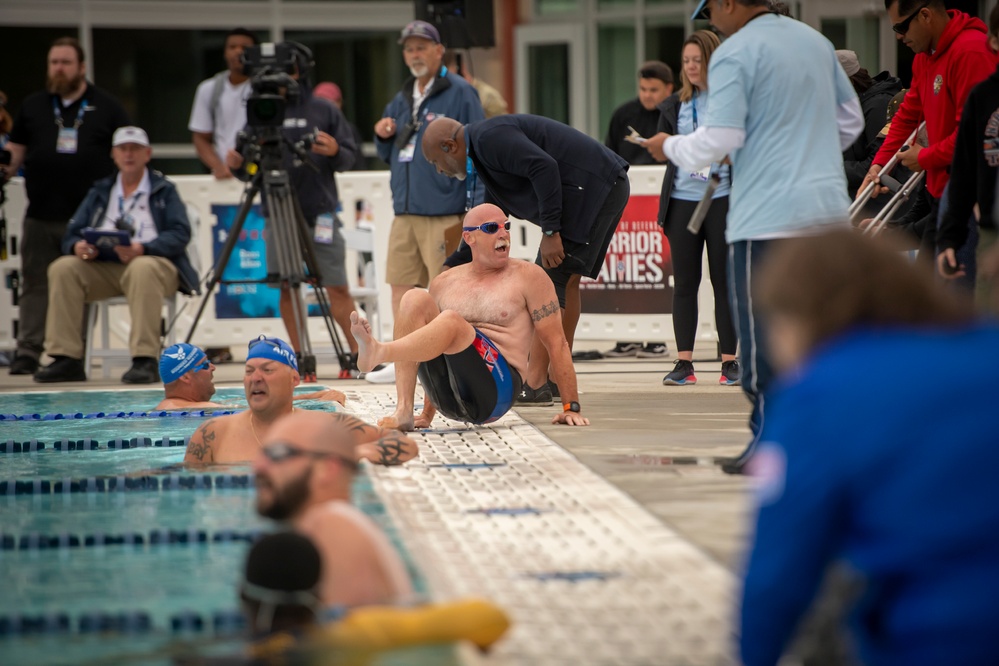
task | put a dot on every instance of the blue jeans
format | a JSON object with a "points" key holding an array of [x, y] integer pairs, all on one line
{"points": [[744, 261]]}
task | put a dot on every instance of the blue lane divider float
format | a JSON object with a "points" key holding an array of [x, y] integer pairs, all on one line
{"points": [[221, 623], [195, 414], [64, 444], [125, 483], [34, 541]]}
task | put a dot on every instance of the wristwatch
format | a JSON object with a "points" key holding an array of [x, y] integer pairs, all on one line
{"points": [[571, 407], [551, 232]]}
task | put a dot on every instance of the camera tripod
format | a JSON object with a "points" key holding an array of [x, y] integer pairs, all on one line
{"points": [[290, 235]]}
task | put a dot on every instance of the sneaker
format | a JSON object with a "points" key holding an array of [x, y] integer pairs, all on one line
{"points": [[384, 376], [553, 387], [144, 370], [653, 350], [731, 374], [538, 396], [624, 349], [24, 365], [683, 374], [62, 369]]}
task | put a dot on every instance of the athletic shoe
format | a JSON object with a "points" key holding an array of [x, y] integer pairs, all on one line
{"points": [[624, 349], [553, 387], [538, 396], [683, 374], [384, 376], [653, 350], [731, 375]]}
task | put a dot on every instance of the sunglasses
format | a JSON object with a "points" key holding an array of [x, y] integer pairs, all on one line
{"points": [[281, 451], [488, 227], [902, 27]]}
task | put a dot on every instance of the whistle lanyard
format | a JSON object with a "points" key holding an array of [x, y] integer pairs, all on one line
{"points": [[58, 114], [471, 179]]}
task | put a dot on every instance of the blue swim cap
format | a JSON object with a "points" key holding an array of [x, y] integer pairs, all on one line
{"points": [[177, 360], [274, 349]]}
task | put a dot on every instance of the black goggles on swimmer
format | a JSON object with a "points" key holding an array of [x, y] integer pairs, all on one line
{"points": [[281, 451], [489, 227]]}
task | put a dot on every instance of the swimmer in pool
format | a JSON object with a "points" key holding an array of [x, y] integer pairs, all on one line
{"points": [[188, 381], [304, 474], [270, 378], [468, 336]]}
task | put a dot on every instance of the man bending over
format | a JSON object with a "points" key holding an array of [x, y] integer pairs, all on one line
{"points": [[468, 337], [269, 380]]}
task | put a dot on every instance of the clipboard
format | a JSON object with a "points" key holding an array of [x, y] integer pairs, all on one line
{"points": [[106, 240]]}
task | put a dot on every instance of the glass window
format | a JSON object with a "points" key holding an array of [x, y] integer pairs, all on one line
{"points": [[860, 34], [548, 65], [617, 70], [547, 7], [32, 48], [663, 41], [615, 4]]}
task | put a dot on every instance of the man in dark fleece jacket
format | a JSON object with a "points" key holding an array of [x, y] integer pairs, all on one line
{"points": [[973, 174]]}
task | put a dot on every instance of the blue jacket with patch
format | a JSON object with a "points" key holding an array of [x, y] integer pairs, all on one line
{"points": [[169, 215], [417, 188], [894, 472]]}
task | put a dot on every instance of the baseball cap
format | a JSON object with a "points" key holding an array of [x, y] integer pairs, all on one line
{"points": [[328, 90], [273, 349], [420, 29], [848, 60], [699, 11], [179, 359], [130, 134]]}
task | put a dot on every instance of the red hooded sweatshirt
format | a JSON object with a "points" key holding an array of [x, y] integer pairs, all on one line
{"points": [[941, 82]]}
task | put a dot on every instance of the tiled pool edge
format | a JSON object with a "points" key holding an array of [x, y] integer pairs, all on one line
{"points": [[587, 574]]}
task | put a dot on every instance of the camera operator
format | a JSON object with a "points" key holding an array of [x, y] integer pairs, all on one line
{"points": [[332, 149]]}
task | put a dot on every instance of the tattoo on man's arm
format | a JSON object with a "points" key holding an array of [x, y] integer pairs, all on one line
{"points": [[544, 311], [352, 423], [203, 448], [390, 450]]}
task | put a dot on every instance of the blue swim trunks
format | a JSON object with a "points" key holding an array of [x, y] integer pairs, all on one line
{"points": [[476, 385]]}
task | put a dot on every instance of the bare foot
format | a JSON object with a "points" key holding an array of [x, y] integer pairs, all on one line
{"points": [[367, 346], [398, 421]]}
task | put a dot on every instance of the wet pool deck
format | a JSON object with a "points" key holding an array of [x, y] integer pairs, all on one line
{"points": [[549, 520]]}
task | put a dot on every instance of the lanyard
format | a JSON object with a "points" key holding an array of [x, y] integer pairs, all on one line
{"points": [[471, 179], [126, 215], [58, 114], [693, 106]]}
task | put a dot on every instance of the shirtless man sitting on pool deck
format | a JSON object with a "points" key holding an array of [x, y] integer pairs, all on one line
{"points": [[468, 337], [269, 380], [188, 381]]}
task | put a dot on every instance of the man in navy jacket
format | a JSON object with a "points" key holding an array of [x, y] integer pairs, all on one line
{"points": [[552, 175], [151, 267]]}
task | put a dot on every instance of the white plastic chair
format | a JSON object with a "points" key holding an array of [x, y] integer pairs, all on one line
{"points": [[117, 356]]}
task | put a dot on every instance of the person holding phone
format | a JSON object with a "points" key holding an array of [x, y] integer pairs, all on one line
{"points": [[682, 190]]}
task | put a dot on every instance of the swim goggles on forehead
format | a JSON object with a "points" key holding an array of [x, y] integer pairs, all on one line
{"points": [[281, 451], [264, 340], [489, 227]]}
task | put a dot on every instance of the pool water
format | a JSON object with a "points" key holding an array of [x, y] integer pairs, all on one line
{"points": [[160, 580]]}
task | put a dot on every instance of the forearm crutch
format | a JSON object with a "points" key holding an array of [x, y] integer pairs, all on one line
{"points": [[865, 195], [902, 194]]}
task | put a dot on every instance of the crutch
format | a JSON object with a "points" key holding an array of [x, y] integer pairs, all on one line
{"points": [[858, 204], [902, 194]]}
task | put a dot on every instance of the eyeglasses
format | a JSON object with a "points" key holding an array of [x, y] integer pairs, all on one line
{"points": [[280, 451], [902, 27], [488, 227]]}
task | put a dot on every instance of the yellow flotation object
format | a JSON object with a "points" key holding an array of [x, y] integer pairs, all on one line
{"points": [[369, 629]]}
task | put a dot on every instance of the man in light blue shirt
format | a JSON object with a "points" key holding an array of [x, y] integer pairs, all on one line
{"points": [[783, 110]]}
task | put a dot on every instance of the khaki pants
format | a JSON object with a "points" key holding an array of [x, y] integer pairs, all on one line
{"points": [[145, 282]]}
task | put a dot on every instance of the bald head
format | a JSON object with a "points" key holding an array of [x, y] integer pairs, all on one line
{"points": [[312, 431], [483, 213], [444, 147]]}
